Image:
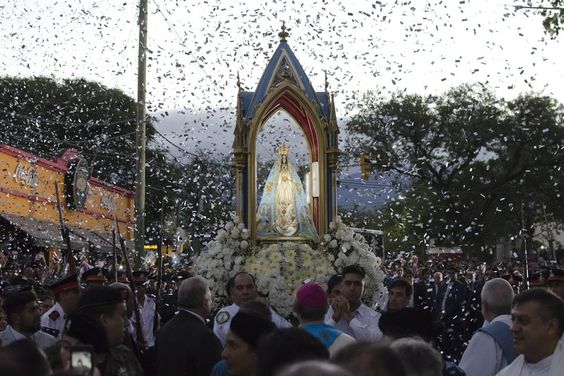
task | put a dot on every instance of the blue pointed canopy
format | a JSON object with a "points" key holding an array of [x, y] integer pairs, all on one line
{"points": [[283, 65]]}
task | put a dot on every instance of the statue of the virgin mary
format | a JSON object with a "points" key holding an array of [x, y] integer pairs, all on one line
{"points": [[283, 209]]}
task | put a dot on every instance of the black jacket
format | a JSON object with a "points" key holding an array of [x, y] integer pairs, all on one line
{"points": [[186, 347]]}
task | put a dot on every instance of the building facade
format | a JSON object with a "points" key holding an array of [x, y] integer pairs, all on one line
{"points": [[30, 223]]}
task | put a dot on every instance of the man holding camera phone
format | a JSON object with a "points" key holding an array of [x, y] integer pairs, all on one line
{"points": [[105, 305], [85, 346]]}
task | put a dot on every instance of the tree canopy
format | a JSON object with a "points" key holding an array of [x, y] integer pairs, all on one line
{"points": [[45, 117], [475, 162], [553, 17]]}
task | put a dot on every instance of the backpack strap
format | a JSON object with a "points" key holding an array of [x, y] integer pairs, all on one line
{"points": [[500, 332]]}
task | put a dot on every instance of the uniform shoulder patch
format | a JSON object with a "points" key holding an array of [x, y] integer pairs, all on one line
{"points": [[222, 317], [54, 315], [50, 331]]}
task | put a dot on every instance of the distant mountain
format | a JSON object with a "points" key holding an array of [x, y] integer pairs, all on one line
{"points": [[213, 132], [366, 195]]}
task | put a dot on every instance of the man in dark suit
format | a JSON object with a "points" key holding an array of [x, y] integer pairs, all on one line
{"points": [[451, 296], [185, 345], [422, 291], [450, 301], [436, 286]]}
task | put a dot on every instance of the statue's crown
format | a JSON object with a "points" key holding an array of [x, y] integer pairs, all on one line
{"points": [[284, 150]]}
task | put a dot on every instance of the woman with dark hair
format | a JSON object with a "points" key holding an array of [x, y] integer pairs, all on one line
{"points": [[24, 358], [370, 359], [284, 347], [240, 352]]}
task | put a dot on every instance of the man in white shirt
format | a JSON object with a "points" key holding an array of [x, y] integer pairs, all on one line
{"points": [[491, 348], [537, 325], [241, 289], [348, 313], [22, 312]]}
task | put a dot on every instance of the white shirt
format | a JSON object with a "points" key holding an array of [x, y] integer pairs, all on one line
{"points": [[147, 314], [53, 321], [483, 356], [552, 365], [42, 340], [537, 369], [222, 321], [363, 326], [445, 297]]}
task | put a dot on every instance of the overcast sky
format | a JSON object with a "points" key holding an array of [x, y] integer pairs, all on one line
{"points": [[198, 47]]}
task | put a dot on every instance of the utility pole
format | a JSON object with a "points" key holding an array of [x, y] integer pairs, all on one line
{"points": [[141, 135], [525, 235]]}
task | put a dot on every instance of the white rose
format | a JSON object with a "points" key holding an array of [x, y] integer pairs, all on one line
{"points": [[244, 235], [235, 233], [221, 234], [333, 244], [346, 246], [332, 225], [236, 219], [327, 237], [244, 244], [241, 226], [338, 219], [229, 226], [339, 234]]}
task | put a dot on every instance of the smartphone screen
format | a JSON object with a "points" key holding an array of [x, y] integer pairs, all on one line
{"points": [[82, 360]]}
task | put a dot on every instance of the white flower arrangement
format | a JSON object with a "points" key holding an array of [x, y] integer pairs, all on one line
{"points": [[345, 247], [224, 257], [280, 268]]}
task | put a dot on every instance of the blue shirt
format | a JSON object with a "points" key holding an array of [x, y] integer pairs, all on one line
{"points": [[220, 369]]}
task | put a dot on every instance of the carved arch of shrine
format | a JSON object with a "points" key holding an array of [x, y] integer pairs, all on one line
{"points": [[285, 87]]}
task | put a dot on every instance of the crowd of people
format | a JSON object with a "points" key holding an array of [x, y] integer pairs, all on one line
{"points": [[432, 318]]}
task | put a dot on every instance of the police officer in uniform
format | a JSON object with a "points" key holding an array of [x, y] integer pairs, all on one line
{"points": [[66, 293], [96, 321], [241, 289], [147, 304], [95, 277], [146, 308]]}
